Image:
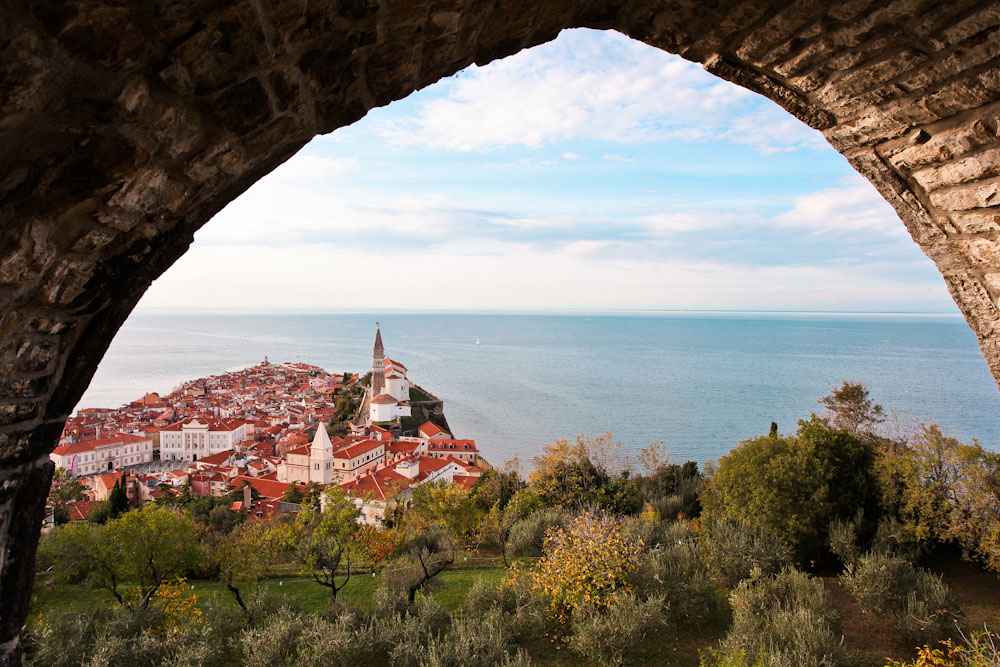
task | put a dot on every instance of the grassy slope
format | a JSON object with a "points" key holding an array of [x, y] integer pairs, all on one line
{"points": [[979, 591]]}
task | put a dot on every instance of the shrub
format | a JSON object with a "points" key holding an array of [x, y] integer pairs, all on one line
{"points": [[586, 563], [676, 573], [604, 636], [122, 636], [480, 641], [528, 535], [922, 605], [786, 619], [734, 549], [980, 649], [485, 596]]}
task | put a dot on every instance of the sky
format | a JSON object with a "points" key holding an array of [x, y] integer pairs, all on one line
{"points": [[592, 172]]}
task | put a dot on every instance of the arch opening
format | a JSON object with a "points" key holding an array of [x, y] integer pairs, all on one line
{"points": [[126, 131]]}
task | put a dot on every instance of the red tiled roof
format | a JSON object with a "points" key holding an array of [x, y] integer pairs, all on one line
{"points": [[429, 428], [267, 488], [217, 459], [354, 451], [91, 445], [384, 399], [452, 445]]}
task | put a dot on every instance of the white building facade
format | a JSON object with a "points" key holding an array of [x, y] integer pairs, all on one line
{"points": [[198, 437], [90, 457]]}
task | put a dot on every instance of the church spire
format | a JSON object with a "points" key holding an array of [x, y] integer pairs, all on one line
{"points": [[378, 364], [378, 350]]}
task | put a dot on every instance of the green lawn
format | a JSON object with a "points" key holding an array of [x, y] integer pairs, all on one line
{"points": [[452, 587]]}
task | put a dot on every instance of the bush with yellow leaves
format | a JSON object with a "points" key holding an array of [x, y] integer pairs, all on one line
{"points": [[586, 562]]}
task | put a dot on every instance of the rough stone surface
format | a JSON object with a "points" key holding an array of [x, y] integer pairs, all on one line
{"points": [[124, 127]]}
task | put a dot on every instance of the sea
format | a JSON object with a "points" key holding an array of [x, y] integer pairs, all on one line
{"points": [[699, 382]]}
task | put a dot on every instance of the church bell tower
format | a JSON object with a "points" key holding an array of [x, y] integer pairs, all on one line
{"points": [[378, 364]]}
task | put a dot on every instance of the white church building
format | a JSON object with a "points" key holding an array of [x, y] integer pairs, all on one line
{"points": [[389, 391]]}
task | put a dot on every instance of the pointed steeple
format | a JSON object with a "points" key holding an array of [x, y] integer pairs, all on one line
{"points": [[321, 441], [378, 350], [378, 364]]}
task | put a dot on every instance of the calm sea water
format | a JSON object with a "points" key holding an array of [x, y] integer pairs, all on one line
{"points": [[699, 382]]}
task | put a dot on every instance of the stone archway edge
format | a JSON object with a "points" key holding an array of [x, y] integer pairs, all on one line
{"points": [[125, 127]]}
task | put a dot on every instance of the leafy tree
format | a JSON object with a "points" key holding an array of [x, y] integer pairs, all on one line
{"points": [[571, 482], [426, 554], [795, 485], [944, 490], [146, 547], [445, 504], [495, 486], [222, 520], [325, 539], [64, 492], [247, 557], [787, 619], [850, 407]]}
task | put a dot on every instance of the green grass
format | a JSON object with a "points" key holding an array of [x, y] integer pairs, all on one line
{"points": [[451, 589], [418, 395]]}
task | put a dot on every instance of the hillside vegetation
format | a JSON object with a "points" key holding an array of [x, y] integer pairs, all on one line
{"points": [[844, 542]]}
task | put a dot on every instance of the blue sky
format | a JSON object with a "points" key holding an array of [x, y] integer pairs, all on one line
{"points": [[590, 172]]}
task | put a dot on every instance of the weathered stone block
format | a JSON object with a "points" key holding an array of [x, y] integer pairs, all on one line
{"points": [[976, 222], [964, 197]]}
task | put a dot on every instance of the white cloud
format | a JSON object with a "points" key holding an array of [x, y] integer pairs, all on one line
{"points": [[572, 156], [597, 86], [617, 158], [466, 275], [855, 207]]}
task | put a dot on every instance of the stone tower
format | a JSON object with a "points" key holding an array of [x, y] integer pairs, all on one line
{"points": [[321, 457], [378, 364]]}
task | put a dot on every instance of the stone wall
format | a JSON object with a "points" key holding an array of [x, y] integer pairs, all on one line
{"points": [[125, 126]]}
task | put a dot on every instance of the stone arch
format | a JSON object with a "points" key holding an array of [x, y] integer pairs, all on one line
{"points": [[124, 128]]}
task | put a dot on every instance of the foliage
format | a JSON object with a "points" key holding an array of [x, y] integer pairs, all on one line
{"points": [[735, 549], [787, 619], [604, 636], [675, 572], [672, 490], [479, 641], [795, 485], [170, 630], [324, 539], [586, 563], [980, 649], [117, 499], [247, 557], [527, 536], [146, 547], [425, 555], [921, 604], [589, 470], [495, 488], [445, 504], [849, 407], [943, 490], [65, 491]]}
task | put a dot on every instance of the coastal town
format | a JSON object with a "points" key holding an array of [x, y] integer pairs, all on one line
{"points": [[269, 434]]}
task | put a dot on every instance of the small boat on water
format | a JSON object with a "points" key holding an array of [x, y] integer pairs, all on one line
{"points": [[477, 341]]}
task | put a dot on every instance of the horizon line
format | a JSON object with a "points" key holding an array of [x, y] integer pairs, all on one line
{"points": [[520, 311]]}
